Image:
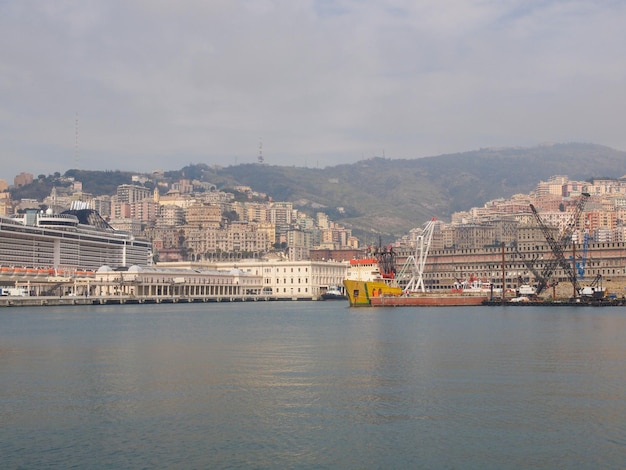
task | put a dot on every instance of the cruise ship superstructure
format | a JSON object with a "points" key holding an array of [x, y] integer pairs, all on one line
{"points": [[72, 240]]}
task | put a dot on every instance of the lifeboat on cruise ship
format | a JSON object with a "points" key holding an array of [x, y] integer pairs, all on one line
{"points": [[85, 273], [19, 271]]}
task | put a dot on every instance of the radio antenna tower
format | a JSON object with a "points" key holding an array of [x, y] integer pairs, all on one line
{"points": [[260, 158], [76, 144]]}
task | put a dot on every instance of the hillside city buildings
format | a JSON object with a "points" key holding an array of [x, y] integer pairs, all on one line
{"points": [[510, 219], [192, 222]]}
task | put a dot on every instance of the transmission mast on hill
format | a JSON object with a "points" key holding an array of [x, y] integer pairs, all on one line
{"points": [[260, 158], [76, 143]]}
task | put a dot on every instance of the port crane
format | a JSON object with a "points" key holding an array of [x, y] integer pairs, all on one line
{"points": [[417, 262], [595, 289], [580, 267], [558, 246], [529, 263]]}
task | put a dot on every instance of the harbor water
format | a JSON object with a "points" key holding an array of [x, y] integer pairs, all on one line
{"points": [[312, 385]]}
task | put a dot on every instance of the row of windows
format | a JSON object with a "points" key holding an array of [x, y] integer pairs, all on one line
{"points": [[17, 250]]}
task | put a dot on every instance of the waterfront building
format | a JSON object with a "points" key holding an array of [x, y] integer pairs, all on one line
{"points": [[171, 283], [303, 279], [282, 279]]}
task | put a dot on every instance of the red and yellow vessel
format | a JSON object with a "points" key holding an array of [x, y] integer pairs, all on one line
{"points": [[371, 278], [371, 282]]}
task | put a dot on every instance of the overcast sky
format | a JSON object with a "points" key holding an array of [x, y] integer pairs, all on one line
{"points": [[158, 84]]}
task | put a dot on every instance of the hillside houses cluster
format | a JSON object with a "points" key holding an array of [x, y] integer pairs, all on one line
{"points": [[511, 220], [193, 221]]}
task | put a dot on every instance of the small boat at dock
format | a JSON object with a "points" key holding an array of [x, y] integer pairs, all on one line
{"points": [[334, 293]]}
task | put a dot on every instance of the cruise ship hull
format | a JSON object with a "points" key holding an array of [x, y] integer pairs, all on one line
{"points": [[42, 244]]}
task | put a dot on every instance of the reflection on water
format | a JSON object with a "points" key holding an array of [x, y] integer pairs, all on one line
{"points": [[312, 385]]}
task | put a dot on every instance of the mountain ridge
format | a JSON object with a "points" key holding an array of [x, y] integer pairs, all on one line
{"points": [[391, 196], [388, 197]]}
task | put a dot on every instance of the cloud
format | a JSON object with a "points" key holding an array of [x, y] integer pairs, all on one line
{"points": [[159, 84]]}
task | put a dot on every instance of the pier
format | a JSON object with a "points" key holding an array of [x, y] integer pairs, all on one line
{"points": [[43, 301]]}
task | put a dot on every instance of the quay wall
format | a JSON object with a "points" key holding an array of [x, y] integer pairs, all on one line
{"points": [[44, 301]]}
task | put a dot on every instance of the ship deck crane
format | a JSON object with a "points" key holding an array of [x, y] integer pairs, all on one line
{"points": [[386, 259], [417, 262], [558, 246]]}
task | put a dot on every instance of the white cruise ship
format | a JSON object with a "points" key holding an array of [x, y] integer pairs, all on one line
{"points": [[73, 240]]}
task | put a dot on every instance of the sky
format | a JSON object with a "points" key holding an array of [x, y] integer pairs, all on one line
{"points": [[141, 85]]}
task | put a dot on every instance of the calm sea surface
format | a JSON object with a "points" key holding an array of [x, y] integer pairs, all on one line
{"points": [[312, 385]]}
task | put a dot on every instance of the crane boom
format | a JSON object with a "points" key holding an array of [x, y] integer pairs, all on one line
{"points": [[422, 245], [558, 246], [580, 267], [529, 263]]}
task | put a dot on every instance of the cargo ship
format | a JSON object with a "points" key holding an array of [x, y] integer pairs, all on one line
{"points": [[372, 282], [365, 281], [383, 293]]}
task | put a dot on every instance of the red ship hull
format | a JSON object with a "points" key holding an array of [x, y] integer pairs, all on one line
{"points": [[425, 300]]}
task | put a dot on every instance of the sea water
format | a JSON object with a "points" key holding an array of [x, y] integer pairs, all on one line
{"points": [[310, 385]]}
